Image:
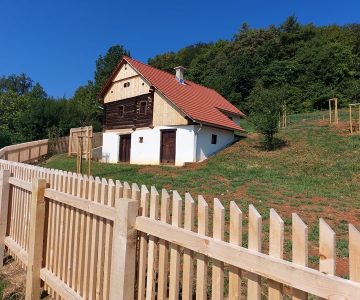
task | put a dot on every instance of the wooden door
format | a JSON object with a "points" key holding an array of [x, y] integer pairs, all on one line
{"points": [[125, 147], [168, 146]]}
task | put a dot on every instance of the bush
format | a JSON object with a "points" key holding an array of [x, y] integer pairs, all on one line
{"points": [[5, 139], [264, 114]]}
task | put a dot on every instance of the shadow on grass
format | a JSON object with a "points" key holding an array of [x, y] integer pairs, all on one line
{"points": [[277, 144]]}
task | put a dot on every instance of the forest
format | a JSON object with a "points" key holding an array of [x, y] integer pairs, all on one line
{"points": [[297, 65]]}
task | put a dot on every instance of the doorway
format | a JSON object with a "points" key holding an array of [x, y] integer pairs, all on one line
{"points": [[125, 147], [167, 146]]}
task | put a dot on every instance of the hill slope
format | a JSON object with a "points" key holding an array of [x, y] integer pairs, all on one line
{"points": [[316, 174]]}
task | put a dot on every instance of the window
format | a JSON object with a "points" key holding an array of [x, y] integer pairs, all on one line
{"points": [[213, 139], [142, 108], [121, 110], [126, 84], [230, 118], [141, 139]]}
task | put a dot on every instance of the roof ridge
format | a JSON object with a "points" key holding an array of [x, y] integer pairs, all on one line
{"points": [[168, 73], [198, 102]]}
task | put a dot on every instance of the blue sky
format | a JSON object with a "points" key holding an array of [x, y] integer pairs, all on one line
{"points": [[57, 42]]}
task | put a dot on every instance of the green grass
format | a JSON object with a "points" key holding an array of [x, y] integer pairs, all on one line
{"points": [[2, 286], [316, 175]]}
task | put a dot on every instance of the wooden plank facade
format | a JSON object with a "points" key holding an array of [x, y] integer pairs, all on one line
{"points": [[134, 112]]}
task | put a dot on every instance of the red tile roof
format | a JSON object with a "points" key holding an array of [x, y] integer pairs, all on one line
{"points": [[201, 104]]}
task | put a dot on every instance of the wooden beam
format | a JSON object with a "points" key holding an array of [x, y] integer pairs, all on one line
{"points": [[59, 286], [4, 207], [36, 237], [291, 274], [122, 275], [17, 250], [82, 204]]}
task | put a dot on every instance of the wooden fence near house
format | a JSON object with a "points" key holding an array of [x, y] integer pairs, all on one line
{"points": [[25, 152], [32, 151], [92, 242]]}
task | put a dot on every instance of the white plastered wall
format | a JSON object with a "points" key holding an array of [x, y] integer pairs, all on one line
{"points": [[204, 137], [148, 152], [110, 148]]}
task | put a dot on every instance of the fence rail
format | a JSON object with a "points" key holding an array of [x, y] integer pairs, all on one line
{"points": [[32, 151], [91, 238]]}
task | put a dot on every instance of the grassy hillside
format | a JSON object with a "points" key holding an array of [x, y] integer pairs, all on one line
{"points": [[316, 174]]}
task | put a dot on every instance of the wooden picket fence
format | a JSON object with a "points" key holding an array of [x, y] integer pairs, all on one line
{"points": [[32, 151], [91, 238]]}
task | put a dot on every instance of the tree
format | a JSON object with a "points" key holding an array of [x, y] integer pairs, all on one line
{"points": [[19, 84], [264, 114], [106, 64], [87, 106]]}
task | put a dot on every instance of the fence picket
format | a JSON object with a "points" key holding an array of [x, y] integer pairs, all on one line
{"points": [[135, 192], [4, 207], [144, 210], [61, 249], [202, 260], [354, 253], [119, 189], [66, 230], [88, 235], [94, 243], [327, 251], [218, 266], [188, 265], [255, 227], [299, 250], [152, 253], [163, 248], [174, 249], [82, 233], [101, 243], [236, 239], [276, 249], [126, 190], [108, 240]]}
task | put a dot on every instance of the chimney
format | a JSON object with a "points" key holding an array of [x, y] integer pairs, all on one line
{"points": [[180, 74]]}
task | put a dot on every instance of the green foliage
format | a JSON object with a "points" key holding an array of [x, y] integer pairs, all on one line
{"points": [[265, 108], [313, 63], [27, 113], [2, 286], [106, 64]]}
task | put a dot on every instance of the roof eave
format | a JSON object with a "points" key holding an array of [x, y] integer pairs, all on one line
{"points": [[241, 114], [238, 128]]}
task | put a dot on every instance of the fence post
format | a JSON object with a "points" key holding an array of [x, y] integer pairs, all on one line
{"points": [[122, 275], [36, 235], [4, 206]]}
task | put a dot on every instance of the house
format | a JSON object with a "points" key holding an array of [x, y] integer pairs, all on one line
{"points": [[154, 117]]}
